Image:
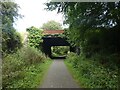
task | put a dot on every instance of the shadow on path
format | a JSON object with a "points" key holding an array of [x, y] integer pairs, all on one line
{"points": [[60, 57]]}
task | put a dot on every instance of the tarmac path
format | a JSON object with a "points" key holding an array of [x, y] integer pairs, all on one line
{"points": [[58, 76]]}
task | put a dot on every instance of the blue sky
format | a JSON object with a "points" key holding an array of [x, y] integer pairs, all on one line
{"points": [[34, 14]]}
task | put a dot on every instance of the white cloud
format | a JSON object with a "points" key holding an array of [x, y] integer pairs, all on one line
{"points": [[34, 14]]}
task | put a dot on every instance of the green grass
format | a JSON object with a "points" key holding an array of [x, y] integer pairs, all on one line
{"points": [[24, 69], [33, 76], [74, 73], [91, 74]]}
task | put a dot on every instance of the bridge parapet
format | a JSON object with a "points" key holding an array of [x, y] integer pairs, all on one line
{"points": [[47, 32]]}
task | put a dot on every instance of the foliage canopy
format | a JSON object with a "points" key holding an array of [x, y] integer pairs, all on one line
{"points": [[11, 39], [52, 25], [93, 26]]}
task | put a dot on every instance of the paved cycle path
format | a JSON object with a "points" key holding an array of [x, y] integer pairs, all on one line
{"points": [[58, 76]]}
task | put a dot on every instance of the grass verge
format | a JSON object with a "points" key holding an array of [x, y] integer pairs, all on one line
{"points": [[33, 76], [73, 73], [24, 69], [92, 74]]}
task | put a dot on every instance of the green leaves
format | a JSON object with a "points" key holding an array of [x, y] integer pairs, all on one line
{"points": [[52, 25], [11, 39], [93, 27], [59, 51], [35, 37], [24, 69], [91, 74]]}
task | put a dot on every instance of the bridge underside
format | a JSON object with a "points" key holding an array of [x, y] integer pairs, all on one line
{"points": [[48, 42]]}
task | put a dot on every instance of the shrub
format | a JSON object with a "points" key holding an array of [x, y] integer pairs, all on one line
{"points": [[14, 65], [91, 73], [31, 55], [11, 41], [35, 37]]}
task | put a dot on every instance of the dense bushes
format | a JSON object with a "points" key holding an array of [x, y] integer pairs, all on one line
{"points": [[11, 39], [92, 74], [35, 37], [22, 68], [100, 41]]}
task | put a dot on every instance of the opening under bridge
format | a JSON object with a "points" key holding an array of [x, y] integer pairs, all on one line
{"points": [[49, 41]]}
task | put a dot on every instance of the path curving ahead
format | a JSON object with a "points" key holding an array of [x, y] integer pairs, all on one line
{"points": [[58, 76]]}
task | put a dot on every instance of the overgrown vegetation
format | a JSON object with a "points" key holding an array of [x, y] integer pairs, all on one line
{"points": [[35, 37], [94, 27], [24, 69], [22, 66], [92, 73], [59, 51], [11, 39]]}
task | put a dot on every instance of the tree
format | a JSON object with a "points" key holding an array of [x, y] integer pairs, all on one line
{"points": [[52, 25], [35, 37], [95, 28], [89, 22], [11, 39], [101, 14]]}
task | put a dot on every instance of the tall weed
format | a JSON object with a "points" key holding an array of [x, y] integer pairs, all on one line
{"points": [[14, 65], [91, 73]]}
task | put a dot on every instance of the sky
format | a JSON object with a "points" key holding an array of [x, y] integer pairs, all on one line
{"points": [[34, 14]]}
